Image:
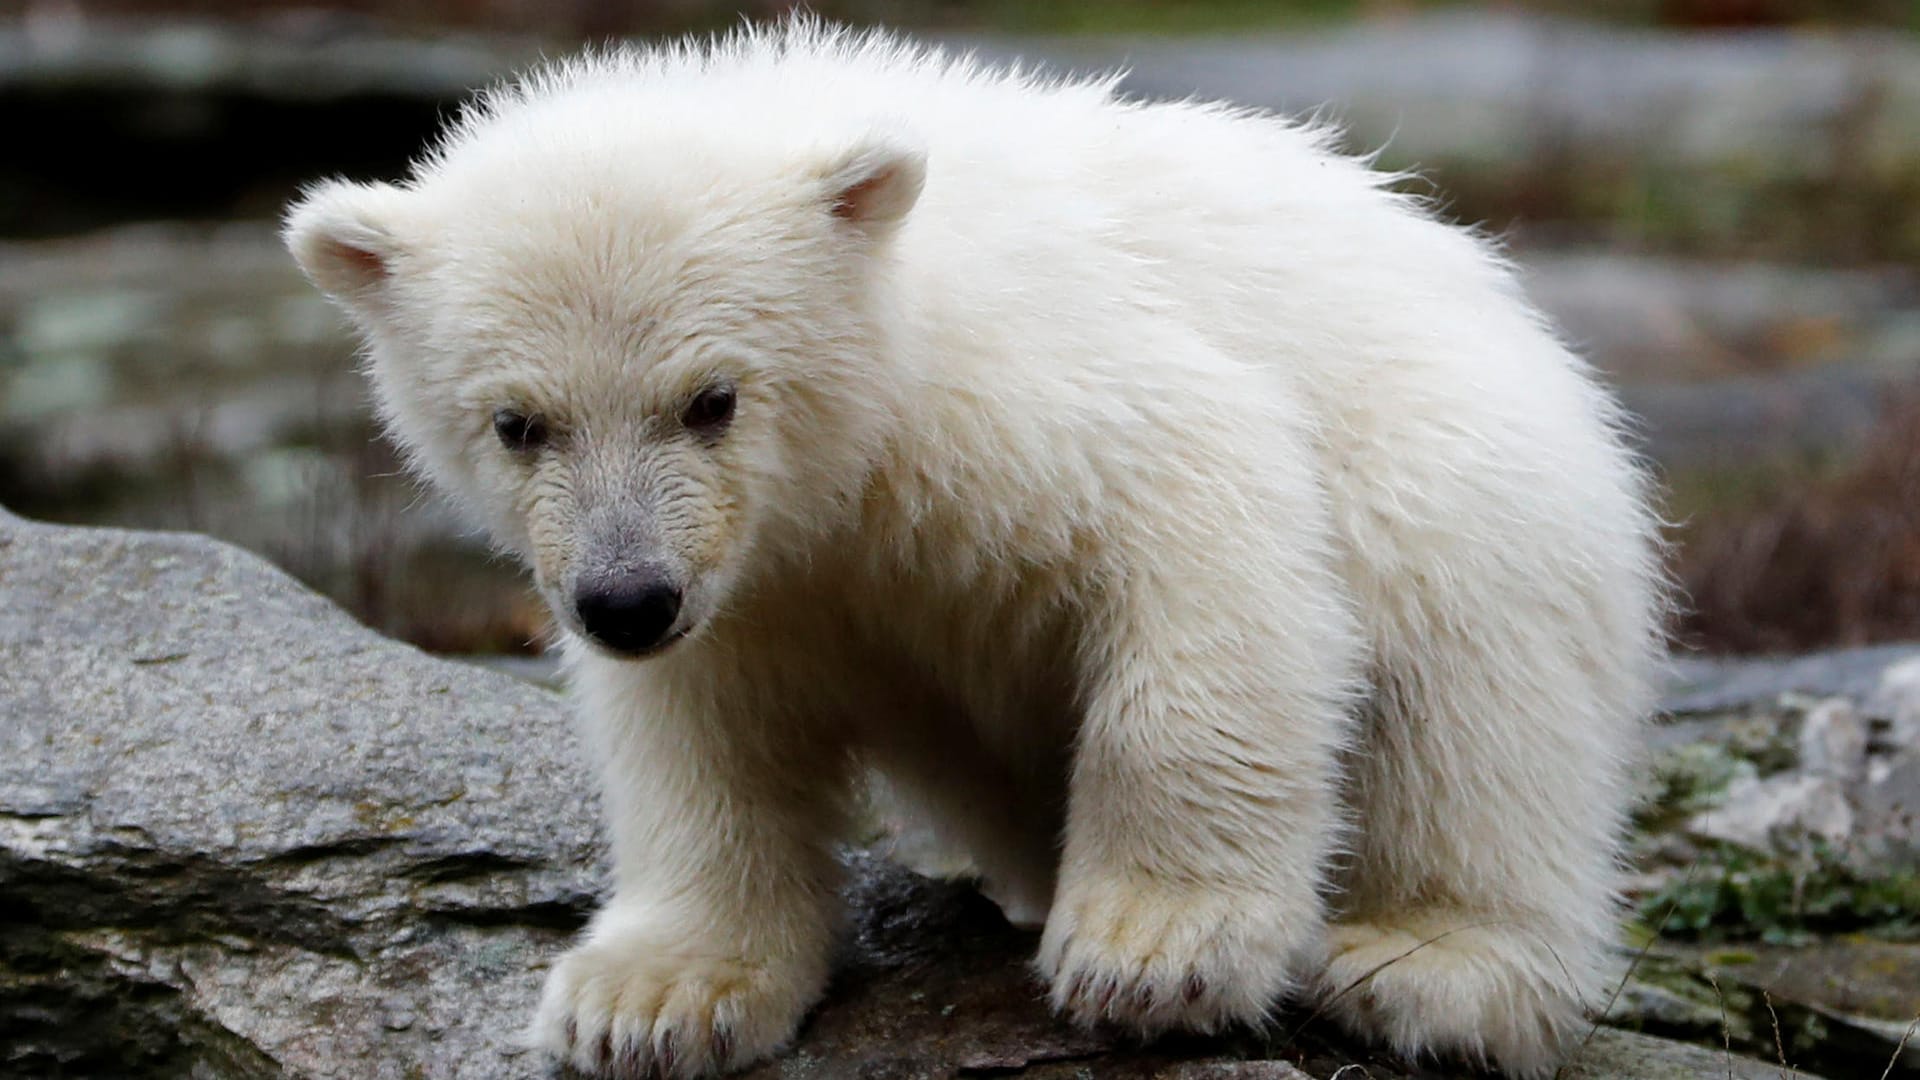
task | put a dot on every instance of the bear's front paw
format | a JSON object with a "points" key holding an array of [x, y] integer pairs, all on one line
{"points": [[640, 1006], [1152, 958]]}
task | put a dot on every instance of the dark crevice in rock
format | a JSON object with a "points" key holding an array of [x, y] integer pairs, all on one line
{"points": [[358, 847], [565, 916], [67, 1011], [466, 866], [183, 898]]}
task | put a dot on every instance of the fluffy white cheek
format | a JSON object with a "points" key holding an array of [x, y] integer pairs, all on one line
{"points": [[543, 521], [715, 541]]}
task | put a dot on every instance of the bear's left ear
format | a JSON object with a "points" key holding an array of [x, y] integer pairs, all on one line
{"points": [[876, 183]]}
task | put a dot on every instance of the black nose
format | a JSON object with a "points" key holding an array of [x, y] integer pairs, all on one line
{"points": [[630, 613]]}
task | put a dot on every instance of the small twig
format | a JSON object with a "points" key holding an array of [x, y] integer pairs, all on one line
{"points": [[1371, 972], [1620, 986], [1779, 1049], [1726, 1026], [1902, 1048]]}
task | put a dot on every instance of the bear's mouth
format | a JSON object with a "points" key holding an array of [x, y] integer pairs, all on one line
{"points": [[664, 643], [648, 652]]}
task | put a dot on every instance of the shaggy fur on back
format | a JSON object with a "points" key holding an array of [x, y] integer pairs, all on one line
{"points": [[1208, 543]]}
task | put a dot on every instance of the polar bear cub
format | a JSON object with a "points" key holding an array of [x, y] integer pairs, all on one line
{"points": [[1209, 542]]}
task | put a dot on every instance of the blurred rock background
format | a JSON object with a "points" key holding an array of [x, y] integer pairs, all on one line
{"points": [[1719, 200]]}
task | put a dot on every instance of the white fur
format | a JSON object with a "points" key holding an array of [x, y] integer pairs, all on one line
{"points": [[1215, 546]]}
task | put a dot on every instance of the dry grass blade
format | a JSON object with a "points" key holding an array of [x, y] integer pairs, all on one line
{"points": [[1902, 1048], [1376, 969], [1594, 1029], [1779, 1048], [1726, 1026]]}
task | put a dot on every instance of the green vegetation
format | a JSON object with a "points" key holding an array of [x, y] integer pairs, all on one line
{"points": [[1733, 894], [1687, 781]]}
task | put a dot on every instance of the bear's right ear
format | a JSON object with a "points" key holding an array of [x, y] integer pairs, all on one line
{"points": [[343, 236]]}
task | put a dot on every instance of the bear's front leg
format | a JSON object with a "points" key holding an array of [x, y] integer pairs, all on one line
{"points": [[1204, 796], [717, 938]]}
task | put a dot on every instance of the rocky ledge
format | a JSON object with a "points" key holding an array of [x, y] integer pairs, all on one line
{"points": [[242, 836]]}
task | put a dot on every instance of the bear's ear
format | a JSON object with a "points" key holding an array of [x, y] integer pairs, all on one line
{"points": [[343, 236], [876, 183]]}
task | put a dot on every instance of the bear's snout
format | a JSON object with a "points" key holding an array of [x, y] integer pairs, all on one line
{"points": [[632, 612]]}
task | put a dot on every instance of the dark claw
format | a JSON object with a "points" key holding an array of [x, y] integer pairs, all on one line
{"points": [[1076, 990], [1194, 988], [722, 1046], [667, 1057], [573, 1034], [1106, 997], [603, 1054], [631, 1065]]}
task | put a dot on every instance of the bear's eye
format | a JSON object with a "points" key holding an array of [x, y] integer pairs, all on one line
{"points": [[710, 409], [518, 431]]}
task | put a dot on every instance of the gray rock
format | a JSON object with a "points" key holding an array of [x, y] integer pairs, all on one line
{"points": [[1897, 698], [1621, 1054], [1794, 805], [1833, 741], [1861, 674], [233, 819], [1843, 1006], [241, 836], [1746, 757], [1890, 809]]}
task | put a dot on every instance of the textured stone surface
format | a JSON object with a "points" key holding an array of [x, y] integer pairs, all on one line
{"points": [[1839, 1007], [241, 836], [233, 820]]}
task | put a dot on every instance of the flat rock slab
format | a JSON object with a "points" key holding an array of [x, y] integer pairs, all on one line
{"points": [[242, 836], [258, 837]]}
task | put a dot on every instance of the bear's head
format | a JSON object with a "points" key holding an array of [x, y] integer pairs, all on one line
{"points": [[640, 363]]}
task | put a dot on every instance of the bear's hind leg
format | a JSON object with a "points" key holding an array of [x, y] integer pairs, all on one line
{"points": [[1478, 906]]}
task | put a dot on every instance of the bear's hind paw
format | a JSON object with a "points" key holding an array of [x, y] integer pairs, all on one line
{"points": [[1488, 992]]}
